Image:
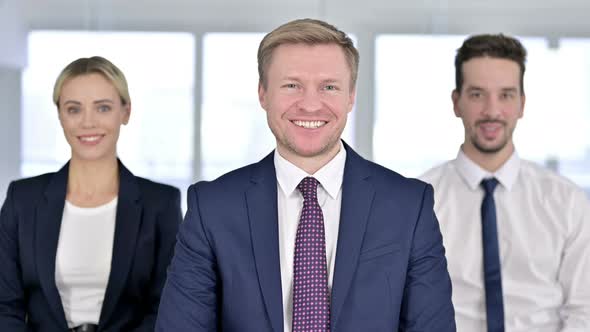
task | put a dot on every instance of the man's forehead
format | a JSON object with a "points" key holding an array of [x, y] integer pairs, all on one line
{"points": [[291, 49], [491, 72], [490, 65], [296, 56], [470, 86]]}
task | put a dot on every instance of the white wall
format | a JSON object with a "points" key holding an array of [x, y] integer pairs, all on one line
{"points": [[13, 33], [10, 106], [543, 17]]}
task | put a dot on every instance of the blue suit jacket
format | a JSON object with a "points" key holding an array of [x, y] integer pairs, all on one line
{"points": [[147, 219], [390, 270]]}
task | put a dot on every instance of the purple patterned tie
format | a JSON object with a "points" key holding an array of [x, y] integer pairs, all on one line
{"points": [[311, 299]]}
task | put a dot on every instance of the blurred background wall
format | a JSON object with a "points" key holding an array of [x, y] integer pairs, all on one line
{"points": [[191, 66]]}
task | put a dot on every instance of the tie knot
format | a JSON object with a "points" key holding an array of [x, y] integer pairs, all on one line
{"points": [[309, 188], [489, 185]]}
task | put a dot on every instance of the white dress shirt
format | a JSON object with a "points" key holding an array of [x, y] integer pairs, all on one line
{"points": [[83, 260], [290, 203], [544, 235]]}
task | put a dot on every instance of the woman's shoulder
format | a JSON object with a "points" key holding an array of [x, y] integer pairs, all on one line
{"points": [[150, 186], [146, 187], [26, 193], [31, 184]]}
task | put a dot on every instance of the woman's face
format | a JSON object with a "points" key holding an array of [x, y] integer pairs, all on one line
{"points": [[91, 114]]}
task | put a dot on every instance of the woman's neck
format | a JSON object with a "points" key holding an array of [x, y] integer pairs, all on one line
{"points": [[92, 183]]}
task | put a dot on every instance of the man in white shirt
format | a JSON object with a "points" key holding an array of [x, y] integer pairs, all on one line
{"points": [[313, 237], [517, 235]]}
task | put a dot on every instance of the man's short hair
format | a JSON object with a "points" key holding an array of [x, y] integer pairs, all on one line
{"points": [[309, 32], [490, 45]]}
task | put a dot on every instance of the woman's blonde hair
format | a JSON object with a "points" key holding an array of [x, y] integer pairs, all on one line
{"points": [[93, 65]]}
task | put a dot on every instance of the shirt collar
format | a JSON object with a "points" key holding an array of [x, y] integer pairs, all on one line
{"points": [[472, 173], [329, 176]]}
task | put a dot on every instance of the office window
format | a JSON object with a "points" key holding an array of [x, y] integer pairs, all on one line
{"points": [[158, 141], [416, 128], [556, 122], [233, 125]]}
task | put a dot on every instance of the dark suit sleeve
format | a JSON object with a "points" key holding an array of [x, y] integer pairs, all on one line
{"points": [[167, 223], [189, 301], [12, 298], [427, 302]]}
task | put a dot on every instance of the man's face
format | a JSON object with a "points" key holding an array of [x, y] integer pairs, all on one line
{"points": [[307, 98], [490, 103]]}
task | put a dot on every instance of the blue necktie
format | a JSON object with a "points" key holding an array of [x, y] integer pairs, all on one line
{"points": [[491, 259]]}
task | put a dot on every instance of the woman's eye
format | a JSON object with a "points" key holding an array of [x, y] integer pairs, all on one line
{"points": [[104, 108]]}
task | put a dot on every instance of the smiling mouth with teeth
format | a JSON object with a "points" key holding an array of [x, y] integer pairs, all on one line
{"points": [[90, 139], [309, 124]]}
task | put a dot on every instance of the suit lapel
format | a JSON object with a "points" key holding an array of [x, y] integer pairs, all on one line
{"points": [[261, 200], [357, 197], [48, 218], [127, 225]]}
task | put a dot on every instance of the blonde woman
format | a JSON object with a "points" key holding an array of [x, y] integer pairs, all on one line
{"points": [[86, 248]]}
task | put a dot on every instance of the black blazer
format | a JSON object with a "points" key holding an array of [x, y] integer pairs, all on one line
{"points": [[148, 216]]}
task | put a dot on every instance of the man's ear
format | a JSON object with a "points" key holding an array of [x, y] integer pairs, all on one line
{"points": [[455, 95], [351, 99], [262, 95], [522, 102]]}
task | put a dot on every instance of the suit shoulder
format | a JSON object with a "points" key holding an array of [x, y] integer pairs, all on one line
{"points": [[31, 185], [395, 192], [387, 178], [33, 181], [150, 187], [434, 174], [232, 181]]}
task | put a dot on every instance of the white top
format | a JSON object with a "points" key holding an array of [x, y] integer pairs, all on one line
{"points": [[83, 261], [544, 236], [290, 203]]}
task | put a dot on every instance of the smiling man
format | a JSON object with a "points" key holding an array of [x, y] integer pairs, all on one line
{"points": [[517, 234], [313, 237]]}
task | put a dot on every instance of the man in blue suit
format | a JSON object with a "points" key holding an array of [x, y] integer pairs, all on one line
{"points": [[313, 237]]}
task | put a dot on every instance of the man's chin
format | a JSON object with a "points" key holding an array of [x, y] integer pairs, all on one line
{"points": [[311, 151], [490, 149]]}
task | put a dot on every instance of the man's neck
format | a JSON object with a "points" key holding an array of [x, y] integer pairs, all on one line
{"points": [[309, 164], [491, 162]]}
